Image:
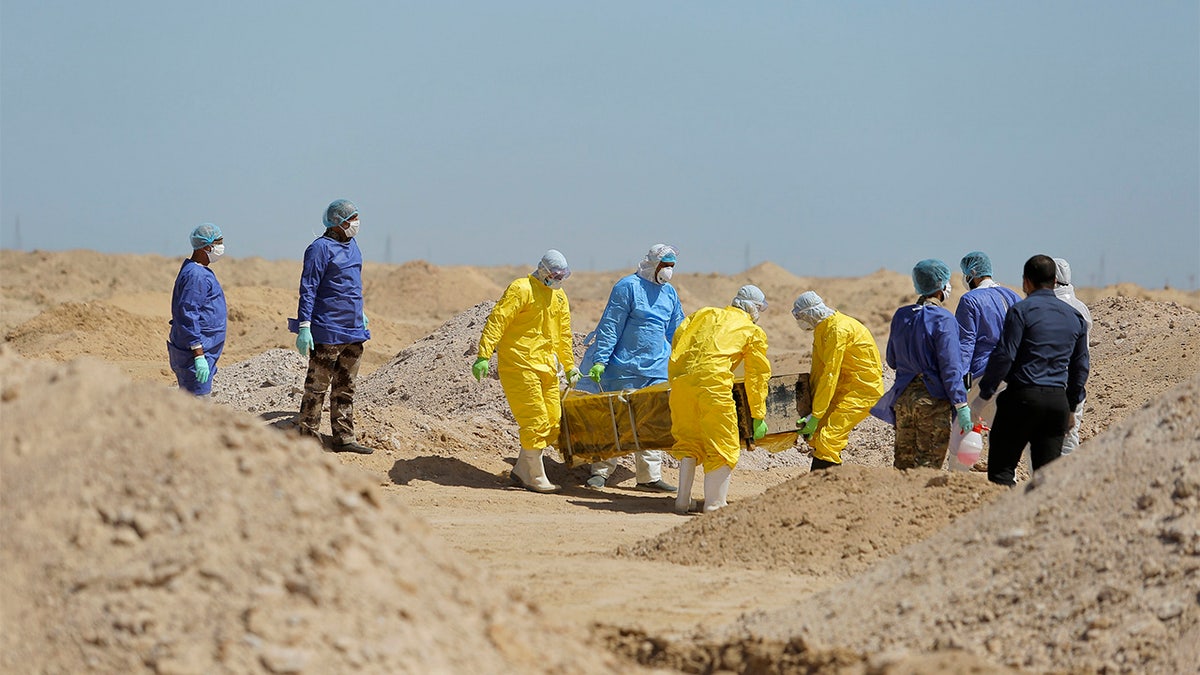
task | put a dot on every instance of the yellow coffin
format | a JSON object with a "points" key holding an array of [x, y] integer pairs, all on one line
{"points": [[601, 426]]}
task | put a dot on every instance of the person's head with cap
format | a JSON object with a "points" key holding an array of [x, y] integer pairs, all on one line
{"points": [[342, 216], [208, 243], [552, 269], [976, 266], [810, 310], [931, 276], [750, 300], [659, 264], [1062, 272]]}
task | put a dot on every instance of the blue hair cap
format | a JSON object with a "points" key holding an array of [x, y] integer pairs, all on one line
{"points": [[930, 276], [205, 234]]}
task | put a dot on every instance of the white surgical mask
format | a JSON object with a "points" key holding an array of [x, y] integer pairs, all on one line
{"points": [[216, 252], [664, 275], [351, 228], [946, 290], [553, 284]]}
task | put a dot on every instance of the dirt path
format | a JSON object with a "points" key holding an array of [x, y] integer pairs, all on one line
{"points": [[560, 550]]}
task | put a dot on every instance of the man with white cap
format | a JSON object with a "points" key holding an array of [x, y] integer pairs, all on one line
{"points": [[529, 330], [1066, 292], [633, 344], [846, 377], [709, 345]]}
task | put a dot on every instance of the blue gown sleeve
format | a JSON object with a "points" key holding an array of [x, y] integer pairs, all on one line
{"points": [[967, 317], [676, 319], [612, 322], [949, 359], [1001, 359], [192, 299], [315, 261]]}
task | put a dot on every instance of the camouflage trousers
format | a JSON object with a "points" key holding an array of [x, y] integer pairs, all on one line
{"points": [[922, 428], [333, 368]]}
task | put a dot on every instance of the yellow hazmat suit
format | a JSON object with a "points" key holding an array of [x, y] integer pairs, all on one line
{"points": [[530, 326], [708, 346], [847, 379]]}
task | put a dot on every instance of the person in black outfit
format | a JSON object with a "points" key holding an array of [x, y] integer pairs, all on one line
{"points": [[1043, 356]]}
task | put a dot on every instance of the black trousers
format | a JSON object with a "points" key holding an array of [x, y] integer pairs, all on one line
{"points": [[1026, 415]]}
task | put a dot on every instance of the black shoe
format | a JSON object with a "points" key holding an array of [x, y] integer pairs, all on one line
{"points": [[659, 485], [352, 446], [819, 464]]}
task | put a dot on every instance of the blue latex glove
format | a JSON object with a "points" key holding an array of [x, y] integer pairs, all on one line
{"points": [[480, 368], [201, 369], [366, 321], [760, 428], [964, 419], [304, 341], [596, 372], [574, 376], [807, 425]]}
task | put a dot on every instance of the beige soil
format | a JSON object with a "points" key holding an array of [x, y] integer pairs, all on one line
{"points": [[146, 531]]}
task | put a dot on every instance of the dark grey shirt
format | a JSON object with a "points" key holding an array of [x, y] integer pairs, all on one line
{"points": [[1044, 343]]}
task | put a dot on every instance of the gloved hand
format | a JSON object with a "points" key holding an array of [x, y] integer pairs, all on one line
{"points": [[807, 425], [964, 419], [480, 368], [596, 372], [760, 428], [366, 321], [574, 376], [304, 341], [201, 369]]}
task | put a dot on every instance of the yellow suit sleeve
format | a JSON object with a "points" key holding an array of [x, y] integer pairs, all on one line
{"points": [[827, 368], [498, 321], [565, 346], [758, 372]]}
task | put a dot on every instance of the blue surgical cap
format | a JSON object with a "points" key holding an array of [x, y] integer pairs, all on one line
{"points": [[930, 276], [338, 212], [976, 265], [205, 234]]}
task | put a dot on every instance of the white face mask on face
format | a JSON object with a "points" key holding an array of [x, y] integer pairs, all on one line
{"points": [[351, 228], [664, 274], [946, 290], [215, 252]]}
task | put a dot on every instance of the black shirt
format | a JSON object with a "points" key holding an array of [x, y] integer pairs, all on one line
{"points": [[1044, 343]]}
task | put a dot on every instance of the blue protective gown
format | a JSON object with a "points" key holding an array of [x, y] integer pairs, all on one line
{"points": [[331, 292], [923, 341], [198, 317], [633, 338], [980, 317]]}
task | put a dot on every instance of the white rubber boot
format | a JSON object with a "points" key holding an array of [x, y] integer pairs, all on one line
{"points": [[716, 488], [687, 475], [530, 473]]}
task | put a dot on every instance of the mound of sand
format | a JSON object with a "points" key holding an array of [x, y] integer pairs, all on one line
{"points": [[1138, 348], [73, 329], [1095, 567], [420, 289], [829, 523], [156, 533]]}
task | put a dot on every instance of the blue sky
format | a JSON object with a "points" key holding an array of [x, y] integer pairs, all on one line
{"points": [[831, 138]]}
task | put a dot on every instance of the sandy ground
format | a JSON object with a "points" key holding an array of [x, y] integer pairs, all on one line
{"points": [[444, 567]]}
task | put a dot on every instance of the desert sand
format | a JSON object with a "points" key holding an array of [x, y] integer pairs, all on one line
{"points": [[146, 531]]}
